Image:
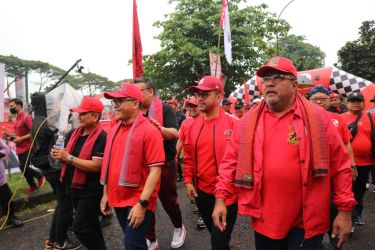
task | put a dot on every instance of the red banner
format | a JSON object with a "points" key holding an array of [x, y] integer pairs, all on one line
{"points": [[137, 45]]}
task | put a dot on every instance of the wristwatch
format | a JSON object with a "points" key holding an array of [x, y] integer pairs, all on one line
{"points": [[70, 159], [144, 203]]}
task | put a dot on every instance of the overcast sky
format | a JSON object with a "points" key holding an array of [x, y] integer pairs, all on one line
{"points": [[99, 32]]}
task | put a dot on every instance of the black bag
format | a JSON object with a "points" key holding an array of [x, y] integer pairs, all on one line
{"points": [[372, 134], [353, 127]]}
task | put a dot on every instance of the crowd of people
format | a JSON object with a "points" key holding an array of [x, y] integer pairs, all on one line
{"points": [[297, 165]]}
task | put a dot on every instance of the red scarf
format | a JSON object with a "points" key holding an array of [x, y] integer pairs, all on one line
{"points": [[79, 176], [315, 127], [132, 163], [155, 110]]}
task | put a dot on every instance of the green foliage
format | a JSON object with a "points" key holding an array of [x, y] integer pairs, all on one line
{"points": [[358, 57], [192, 31], [304, 55]]}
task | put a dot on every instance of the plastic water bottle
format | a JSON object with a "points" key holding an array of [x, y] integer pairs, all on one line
{"points": [[60, 141]]}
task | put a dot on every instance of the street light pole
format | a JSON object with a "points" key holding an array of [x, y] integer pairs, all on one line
{"points": [[277, 34]]}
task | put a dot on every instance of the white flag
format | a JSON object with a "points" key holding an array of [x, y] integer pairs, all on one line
{"points": [[225, 24]]}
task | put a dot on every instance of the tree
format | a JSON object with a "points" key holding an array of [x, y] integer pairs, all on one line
{"points": [[305, 56], [358, 57], [192, 31]]}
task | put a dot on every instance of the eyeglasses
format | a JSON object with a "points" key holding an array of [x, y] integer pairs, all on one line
{"points": [[118, 101], [319, 99], [277, 78], [192, 106], [203, 94]]}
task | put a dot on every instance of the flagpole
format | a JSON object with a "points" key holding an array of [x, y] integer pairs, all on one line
{"points": [[218, 50]]}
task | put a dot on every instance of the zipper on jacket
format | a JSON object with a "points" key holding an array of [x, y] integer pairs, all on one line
{"points": [[217, 171], [196, 158]]}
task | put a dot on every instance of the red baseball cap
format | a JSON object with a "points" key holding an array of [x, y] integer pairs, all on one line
{"points": [[193, 100], [89, 104], [208, 83], [173, 101], [278, 63], [126, 90], [334, 95]]}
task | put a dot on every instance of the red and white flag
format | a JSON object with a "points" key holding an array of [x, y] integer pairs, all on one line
{"points": [[224, 23], [137, 45]]}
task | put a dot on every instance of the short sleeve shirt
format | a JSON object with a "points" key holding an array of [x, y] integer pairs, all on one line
{"points": [[153, 155], [92, 186], [22, 127], [184, 128]]}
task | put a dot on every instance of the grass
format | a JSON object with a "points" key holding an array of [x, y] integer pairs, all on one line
{"points": [[13, 180]]}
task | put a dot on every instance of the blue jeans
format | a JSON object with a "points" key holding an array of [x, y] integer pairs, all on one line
{"points": [[134, 238], [294, 241]]}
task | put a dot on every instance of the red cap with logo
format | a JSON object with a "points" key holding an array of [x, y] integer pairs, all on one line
{"points": [[173, 101], [334, 95], [279, 63], [208, 83], [126, 90], [89, 104]]}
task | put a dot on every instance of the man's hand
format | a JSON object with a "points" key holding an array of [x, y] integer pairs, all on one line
{"points": [[136, 216], [219, 215], [16, 139], [106, 210], [342, 227], [58, 153], [354, 174], [190, 191]]}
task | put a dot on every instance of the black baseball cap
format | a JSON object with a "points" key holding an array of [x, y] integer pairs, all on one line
{"points": [[355, 96]]}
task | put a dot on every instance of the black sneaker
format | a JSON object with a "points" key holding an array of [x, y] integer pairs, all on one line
{"points": [[200, 223], [359, 221], [68, 245], [14, 222]]}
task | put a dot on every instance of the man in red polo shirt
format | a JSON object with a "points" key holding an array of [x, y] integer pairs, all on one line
{"points": [[203, 151], [278, 159], [362, 144], [22, 139], [131, 166]]}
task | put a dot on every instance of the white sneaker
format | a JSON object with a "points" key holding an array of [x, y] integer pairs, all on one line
{"points": [[179, 235], [152, 245]]}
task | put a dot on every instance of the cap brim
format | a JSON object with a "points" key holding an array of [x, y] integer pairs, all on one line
{"points": [[194, 89], [356, 98], [262, 70], [112, 95], [79, 110]]}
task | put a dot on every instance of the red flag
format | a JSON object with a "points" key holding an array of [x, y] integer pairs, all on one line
{"points": [[137, 45], [246, 93]]}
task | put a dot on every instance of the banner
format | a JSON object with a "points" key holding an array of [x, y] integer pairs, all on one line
{"points": [[137, 45], [20, 89], [225, 24], [215, 64], [2, 78]]}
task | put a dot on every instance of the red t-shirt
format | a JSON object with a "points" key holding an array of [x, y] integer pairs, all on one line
{"points": [[153, 155], [281, 190], [206, 166], [361, 143], [340, 126], [22, 127], [184, 128]]}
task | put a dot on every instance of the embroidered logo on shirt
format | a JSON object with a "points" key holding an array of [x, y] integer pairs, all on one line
{"points": [[227, 134], [292, 136]]}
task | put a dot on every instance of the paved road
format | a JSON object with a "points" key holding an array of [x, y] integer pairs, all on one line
{"points": [[32, 235]]}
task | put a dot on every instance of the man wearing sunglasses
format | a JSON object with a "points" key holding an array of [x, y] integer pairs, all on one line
{"points": [[284, 158], [165, 120], [203, 151], [132, 166]]}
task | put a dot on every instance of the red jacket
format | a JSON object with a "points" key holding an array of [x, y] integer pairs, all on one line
{"points": [[223, 132], [316, 191]]}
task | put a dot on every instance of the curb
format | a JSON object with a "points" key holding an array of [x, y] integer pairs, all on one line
{"points": [[33, 199]]}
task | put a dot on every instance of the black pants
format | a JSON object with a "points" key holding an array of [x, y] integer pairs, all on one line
{"points": [[179, 168], [86, 225], [30, 173], [62, 217], [219, 240], [294, 241], [359, 188], [5, 196]]}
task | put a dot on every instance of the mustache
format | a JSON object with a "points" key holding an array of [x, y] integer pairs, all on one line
{"points": [[271, 90]]}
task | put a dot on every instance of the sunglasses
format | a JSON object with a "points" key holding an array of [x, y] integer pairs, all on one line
{"points": [[277, 78], [118, 101]]}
